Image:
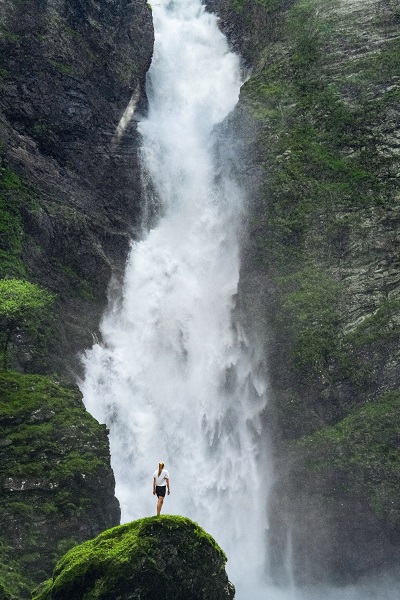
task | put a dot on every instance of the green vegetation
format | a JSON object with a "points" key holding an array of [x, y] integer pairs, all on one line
{"points": [[4, 74], [137, 556], [381, 326], [14, 582], [323, 174], [4, 593], [268, 5], [10, 36], [12, 195], [15, 195], [23, 307], [310, 310], [61, 453], [378, 67], [81, 287], [41, 128], [59, 418], [62, 67], [364, 447]]}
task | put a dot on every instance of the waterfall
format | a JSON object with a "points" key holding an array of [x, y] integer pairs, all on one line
{"points": [[173, 377]]}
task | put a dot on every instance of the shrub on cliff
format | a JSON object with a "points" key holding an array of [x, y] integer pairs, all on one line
{"points": [[167, 554], [23, 306]]}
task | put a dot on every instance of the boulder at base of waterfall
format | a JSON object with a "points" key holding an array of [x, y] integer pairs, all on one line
{"points": [[167, 554]]}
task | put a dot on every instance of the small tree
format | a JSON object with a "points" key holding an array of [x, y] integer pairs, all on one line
{"points": [[22, 307]]}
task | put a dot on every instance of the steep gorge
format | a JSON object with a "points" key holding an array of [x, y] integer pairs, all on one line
{"points": [[317, 132]]}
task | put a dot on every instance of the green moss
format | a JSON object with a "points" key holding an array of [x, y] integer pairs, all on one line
{"points": [[323, 175], [364, 446], [310, 313], [380, 327], [52, 442], [4, 74], [10, 36], [13, 579], [62, 67], [49, 509], [34, 450], [15, 194], [268, 5], [81, 287], [41, 128], [12, 195], [20, 508], [305, 30], [134, 555], [378, 67], [44, 590], [21, 395], [312, 124], [5, 593], [24, 309]]}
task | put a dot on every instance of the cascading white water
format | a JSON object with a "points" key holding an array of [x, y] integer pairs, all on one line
{"points": [[173, 379]]}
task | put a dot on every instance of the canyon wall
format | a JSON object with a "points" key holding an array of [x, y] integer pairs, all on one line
{"points": [[69, 206], [319, 154], [319, 145], [70, 190]]}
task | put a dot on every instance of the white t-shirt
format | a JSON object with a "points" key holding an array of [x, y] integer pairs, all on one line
{"points": [[161, 480]]}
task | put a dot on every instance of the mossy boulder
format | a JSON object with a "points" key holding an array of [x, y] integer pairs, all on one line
{"points": [[56, 483], [166, 555]]}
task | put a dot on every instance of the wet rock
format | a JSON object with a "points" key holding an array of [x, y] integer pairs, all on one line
{"points": [[67, 73], [56, 484], [319, 285]]}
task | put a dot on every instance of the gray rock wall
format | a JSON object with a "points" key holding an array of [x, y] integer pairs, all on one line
{"points": [[320, 271], [68, 72], [69, 206]]}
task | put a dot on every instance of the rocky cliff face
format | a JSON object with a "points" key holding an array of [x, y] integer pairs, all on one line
{"points": [[68, 72], [56, 486], [71, 76], [320, 158]]}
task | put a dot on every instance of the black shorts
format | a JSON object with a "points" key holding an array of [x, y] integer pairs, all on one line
{"points": [[160, 490]]}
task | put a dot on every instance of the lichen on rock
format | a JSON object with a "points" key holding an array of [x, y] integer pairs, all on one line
{"points": [[166, 555]]}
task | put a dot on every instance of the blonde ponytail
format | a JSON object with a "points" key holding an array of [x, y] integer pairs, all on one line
{"points": [[160, 468]]}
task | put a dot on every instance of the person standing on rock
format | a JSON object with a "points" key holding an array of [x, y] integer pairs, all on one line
{"points": [[160, 485]]}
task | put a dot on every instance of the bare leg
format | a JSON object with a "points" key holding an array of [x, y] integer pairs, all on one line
{"points": [[159, 504]]}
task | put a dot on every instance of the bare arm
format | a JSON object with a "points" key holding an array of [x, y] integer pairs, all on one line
{"points": [[167, 480], [154, 486]]}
